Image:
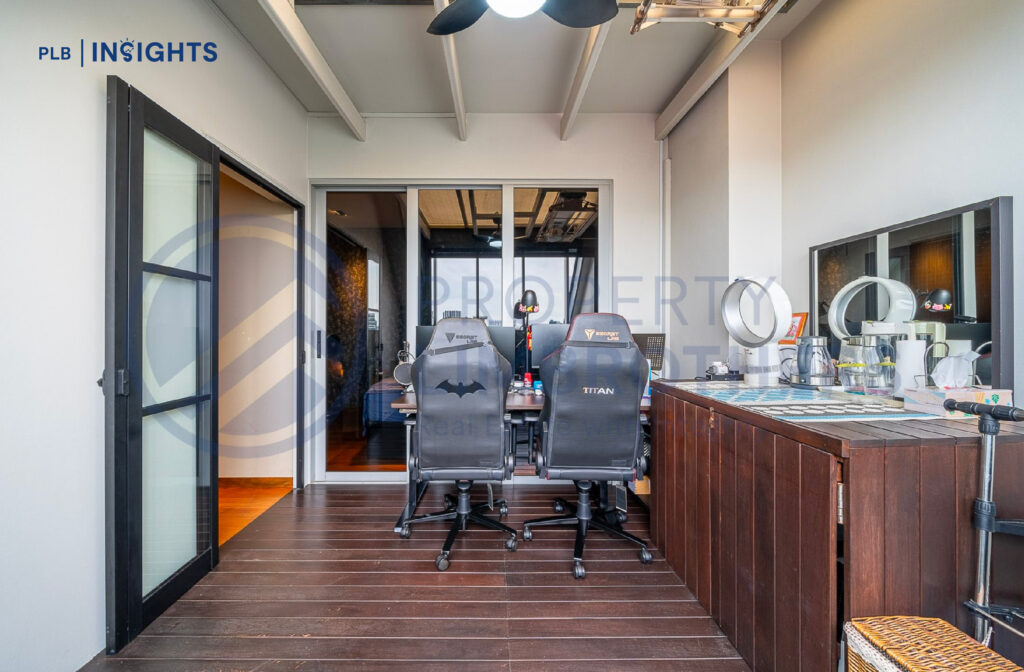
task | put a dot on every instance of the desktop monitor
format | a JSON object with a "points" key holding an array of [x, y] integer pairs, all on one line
{"points": [[504, 339], [546, 339]]}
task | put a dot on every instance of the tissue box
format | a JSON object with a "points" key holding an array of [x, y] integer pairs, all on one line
{"points": [[930, 399]]}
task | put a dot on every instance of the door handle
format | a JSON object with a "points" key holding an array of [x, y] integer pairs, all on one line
{"points": [[319, 353]]}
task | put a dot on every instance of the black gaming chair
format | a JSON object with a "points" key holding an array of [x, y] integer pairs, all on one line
{"points": [[460, 435], [591, 427]]}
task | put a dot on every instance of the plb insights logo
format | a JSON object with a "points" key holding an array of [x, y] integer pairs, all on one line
{"points": [[131, 51]]}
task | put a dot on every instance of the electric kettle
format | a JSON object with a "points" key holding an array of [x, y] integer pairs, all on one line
{"points": [[813, 363]]}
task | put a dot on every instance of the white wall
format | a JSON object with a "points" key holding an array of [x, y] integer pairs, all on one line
{"points": [[257, 354], [617, 147], [896, 110], [699, 151], [726, 215], [755, 161], [52, 130]]}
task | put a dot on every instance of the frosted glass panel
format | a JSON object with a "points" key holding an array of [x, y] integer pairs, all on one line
{"points": [[170, 203], [168, 338], [489, 294], [168, 494]]}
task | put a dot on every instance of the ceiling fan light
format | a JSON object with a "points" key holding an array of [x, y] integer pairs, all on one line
{"points": [[515, 9]]}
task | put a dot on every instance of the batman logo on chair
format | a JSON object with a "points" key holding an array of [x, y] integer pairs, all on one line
{"points": [[460, 388]]}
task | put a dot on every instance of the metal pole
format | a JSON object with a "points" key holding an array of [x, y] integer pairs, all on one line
{"points": [[982, 627]]}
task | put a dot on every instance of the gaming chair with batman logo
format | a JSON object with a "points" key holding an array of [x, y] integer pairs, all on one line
{"points": [[591, 429], [460, 434]]}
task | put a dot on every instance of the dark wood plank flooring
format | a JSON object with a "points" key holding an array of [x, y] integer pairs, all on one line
{"points": [[321, 583]]}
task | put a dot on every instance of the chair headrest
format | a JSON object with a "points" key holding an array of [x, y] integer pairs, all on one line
{"points": [[599, 328], [453, 331]]}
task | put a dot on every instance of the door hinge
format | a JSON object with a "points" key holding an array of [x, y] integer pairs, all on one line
{"points": [[711, 419], [121, 383], [302, 358], [839, 503]]}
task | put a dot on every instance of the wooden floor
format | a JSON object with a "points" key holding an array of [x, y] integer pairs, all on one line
{"points": [[381, 449], [321, 583], [241, 501]]}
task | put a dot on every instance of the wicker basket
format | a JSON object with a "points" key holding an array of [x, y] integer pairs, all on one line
{"points": [[913, 644]]}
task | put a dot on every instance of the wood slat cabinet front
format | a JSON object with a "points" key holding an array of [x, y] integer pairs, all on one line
{"points": [[747, 512], [748, 518]]}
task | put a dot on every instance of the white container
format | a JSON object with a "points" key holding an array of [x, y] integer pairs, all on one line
{"points": [[910, 372], [762, 366]]}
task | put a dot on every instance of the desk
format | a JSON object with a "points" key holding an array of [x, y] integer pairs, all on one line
{"points": [[515, 402]]}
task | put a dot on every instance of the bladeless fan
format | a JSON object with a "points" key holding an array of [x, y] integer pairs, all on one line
{"points": [[761, 351]]}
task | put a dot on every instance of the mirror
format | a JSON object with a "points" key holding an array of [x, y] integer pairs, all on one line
{"points": [[958, 264]]}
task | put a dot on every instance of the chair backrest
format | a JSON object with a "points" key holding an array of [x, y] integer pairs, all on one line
{"points": [[594, 382], [461, 381]]}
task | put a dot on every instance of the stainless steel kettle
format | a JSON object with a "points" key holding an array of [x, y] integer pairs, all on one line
{"points": [[813, 364]]}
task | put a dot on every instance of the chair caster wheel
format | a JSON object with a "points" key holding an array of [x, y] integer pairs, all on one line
{"points": [[645, 556], [559, 506], [442, 563], [405, 532], [449, 503], [621, 517], [577, 570], [527, 533], [510, 544], [503, 510]]}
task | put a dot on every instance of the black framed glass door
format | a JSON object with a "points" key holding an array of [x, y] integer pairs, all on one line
{"points": [[161, 323]]}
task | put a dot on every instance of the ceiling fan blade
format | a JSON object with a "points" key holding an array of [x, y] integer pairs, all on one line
{"points": [[457, 16], [581, 13]]}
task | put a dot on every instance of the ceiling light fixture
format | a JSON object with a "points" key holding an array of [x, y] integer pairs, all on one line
{"points": [[515, 9]]}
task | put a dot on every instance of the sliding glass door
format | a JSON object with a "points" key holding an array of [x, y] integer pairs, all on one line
{"points": [[160, 360]]}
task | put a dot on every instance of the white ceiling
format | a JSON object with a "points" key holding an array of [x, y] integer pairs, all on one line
{"points": [[517, 65], [382, 55], [388, 63], [641, 73]]}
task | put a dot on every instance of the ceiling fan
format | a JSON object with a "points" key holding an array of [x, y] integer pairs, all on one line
{"points": [[493, 238], [462, 14]]}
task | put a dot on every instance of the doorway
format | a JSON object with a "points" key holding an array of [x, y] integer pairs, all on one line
{"points": [[164, 382], [365, 331], [257, 350]]}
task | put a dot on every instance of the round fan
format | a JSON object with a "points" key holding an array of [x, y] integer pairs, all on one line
{"points": [[462, 14]]}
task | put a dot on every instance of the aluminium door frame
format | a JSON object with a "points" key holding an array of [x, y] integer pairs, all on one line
{"points": [[316, 295]]}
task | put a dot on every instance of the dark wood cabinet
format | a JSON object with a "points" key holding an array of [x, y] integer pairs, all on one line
{"points": [[785, 530]]}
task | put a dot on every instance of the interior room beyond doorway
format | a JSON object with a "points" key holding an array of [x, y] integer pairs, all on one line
{"points": [[366, 257], [257, 351]]}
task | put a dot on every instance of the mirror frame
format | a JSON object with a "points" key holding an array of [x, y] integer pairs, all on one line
{"points": [[1001, 214]]}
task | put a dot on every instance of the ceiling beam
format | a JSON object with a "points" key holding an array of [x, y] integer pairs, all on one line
{"points": [[454, 80], [287, 21], [472, 210], [462, 208], [722, 54], [584, 71], [541, 193]]}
